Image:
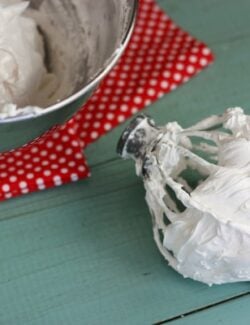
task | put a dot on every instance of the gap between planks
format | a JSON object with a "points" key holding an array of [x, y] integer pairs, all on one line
{"points": [[172, 319]]}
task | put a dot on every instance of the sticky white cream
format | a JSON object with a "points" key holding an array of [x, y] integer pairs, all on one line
{"points": [[209, 240], [24, 80]]}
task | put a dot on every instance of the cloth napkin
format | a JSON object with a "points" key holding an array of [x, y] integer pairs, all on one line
{"points": [[160, 57]]}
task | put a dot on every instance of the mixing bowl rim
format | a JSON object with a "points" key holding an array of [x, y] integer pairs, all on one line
{"points": [[93, 83]]}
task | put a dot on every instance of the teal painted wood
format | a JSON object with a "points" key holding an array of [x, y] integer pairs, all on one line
{"points": [[230, 313], [84, 253]]}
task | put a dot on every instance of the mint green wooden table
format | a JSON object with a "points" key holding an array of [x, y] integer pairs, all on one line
{"points": [[84, 253]]}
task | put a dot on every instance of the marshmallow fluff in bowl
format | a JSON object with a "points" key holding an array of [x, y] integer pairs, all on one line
{"points": [[25, 82], [50, 50]]}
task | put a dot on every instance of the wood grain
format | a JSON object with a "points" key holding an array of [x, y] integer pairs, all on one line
{"points": [[230, 313], [84, 253]]}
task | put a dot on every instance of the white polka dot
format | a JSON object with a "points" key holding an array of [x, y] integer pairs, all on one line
{"points": [[179, 66], [121, 83], [53, 156], [140, 90], [10, 160], [134, 75], [118, 91], [94, 135], [64, 170], [19, 163], [41, 186], [134, 110], [6, 188], [107, 126], [38, 169], [182, 57], [169, 65], [83, 134], [23, 184], [104, 98], [28, 166], [45, 163], [138, 100], [25, 190], [27, 156], [69, 151], [102, 106], [121, 118], [74, 143], [30, 175], [78, 156], [20, 172], [110, 82], [190, 69], [124, 108], [39, 181], [153, 82], [56, 135], [164, 84], [132, 83], [203, 61], [151, 92], [166, 74], [78, 117], [3, 174], [17, 153], [34, 149], [110, 116], [195, 50], [177, 76], [96, 125], [65, 138], [62, 160], [49, 144], [88, 116], [99, 115], [193, 58], [74, 177], [71, 164], [86, 125], [107, 91], [47, 173], [206, 51], [13, 179], [81, 168], [90, 108], [36, 159], [43, 153]]}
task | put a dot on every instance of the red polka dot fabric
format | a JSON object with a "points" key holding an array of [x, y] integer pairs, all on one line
{"points": [[159, 58]]}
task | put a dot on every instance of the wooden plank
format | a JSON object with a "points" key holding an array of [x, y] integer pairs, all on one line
{"points": [[229, 313], [83, 253], [214, 21], [90, 258]]}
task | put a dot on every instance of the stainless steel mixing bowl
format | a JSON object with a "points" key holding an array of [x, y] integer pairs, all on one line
{"points": [[84, 39]]}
